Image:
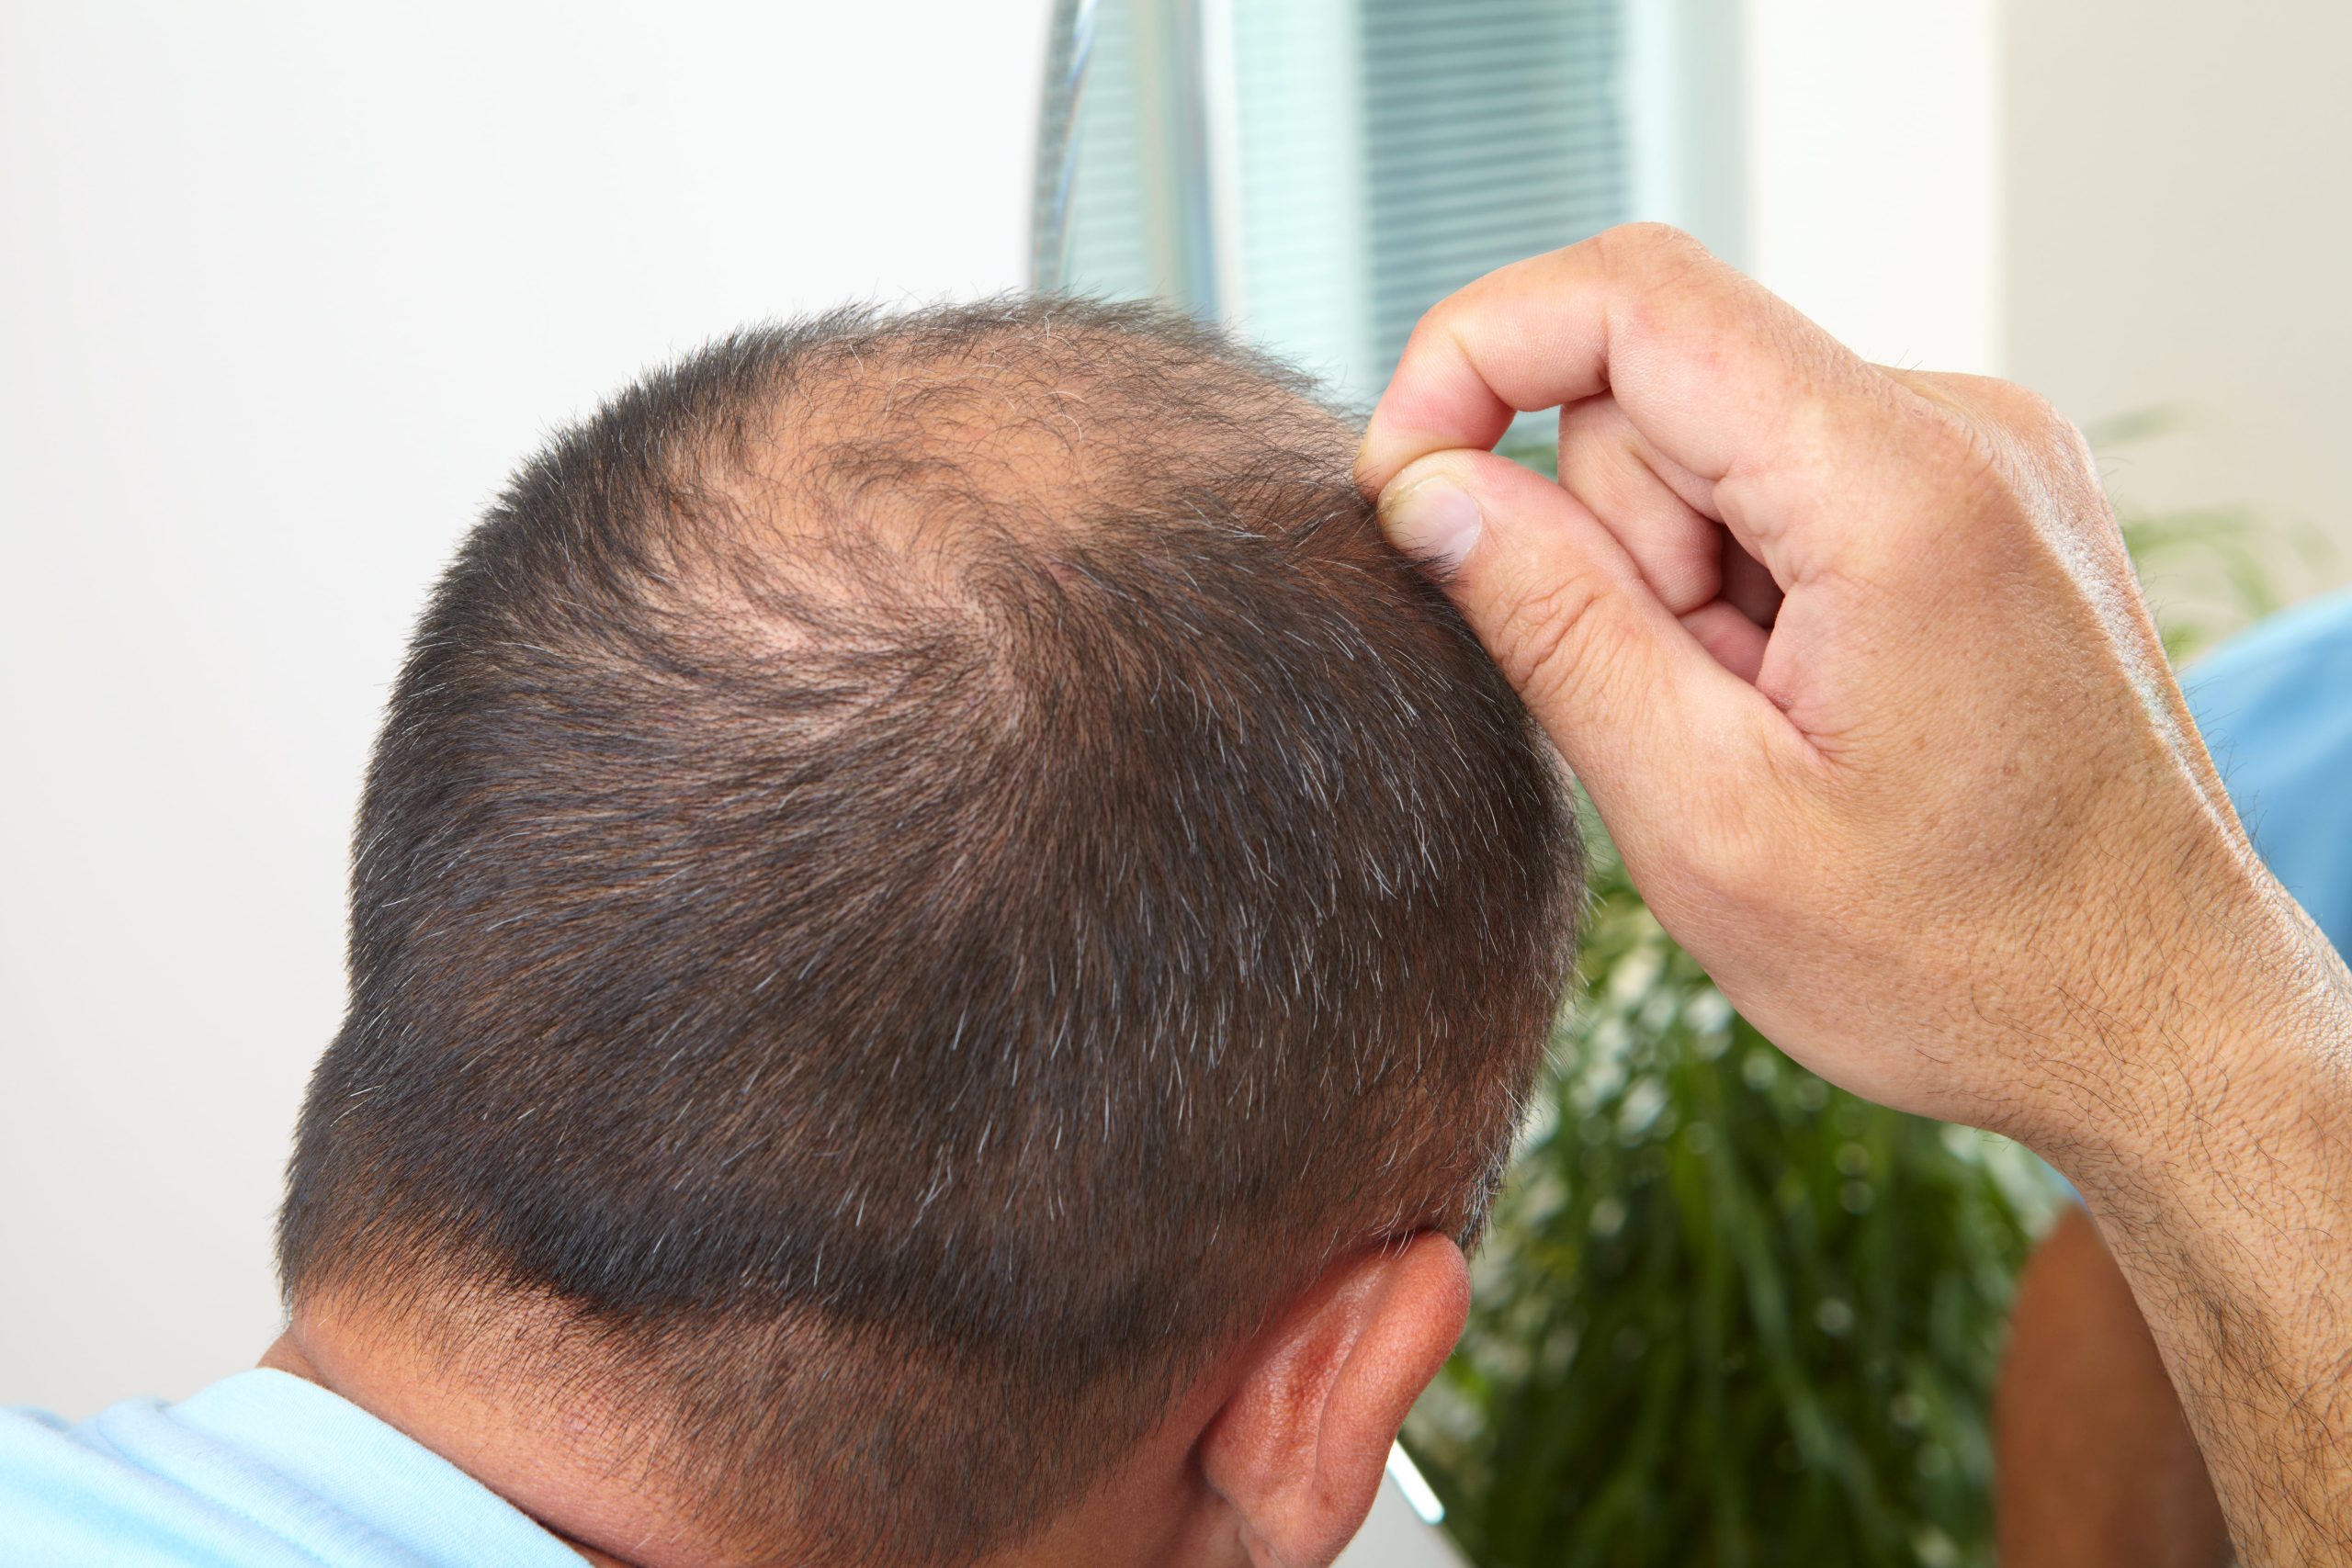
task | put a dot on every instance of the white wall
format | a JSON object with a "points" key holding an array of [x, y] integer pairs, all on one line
{"points": [[285, 289], [2180, 216], [1874, 198]]}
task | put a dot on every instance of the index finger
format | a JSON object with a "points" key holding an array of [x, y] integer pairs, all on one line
{"points": [[1717, 374]]}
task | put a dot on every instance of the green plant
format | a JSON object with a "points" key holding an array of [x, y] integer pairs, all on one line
{"points": [[1729, 1314]]}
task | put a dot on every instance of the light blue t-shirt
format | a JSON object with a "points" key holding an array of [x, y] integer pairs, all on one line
{"points": [[260, 1470], [2275, 707]]}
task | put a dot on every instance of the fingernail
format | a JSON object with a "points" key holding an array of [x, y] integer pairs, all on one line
{"points": [[1434, 521]]}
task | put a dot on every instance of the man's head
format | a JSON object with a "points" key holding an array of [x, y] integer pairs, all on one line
{"points": [[928, 886]]}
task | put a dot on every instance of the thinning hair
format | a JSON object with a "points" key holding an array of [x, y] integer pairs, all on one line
{"points": [[922, 876]]}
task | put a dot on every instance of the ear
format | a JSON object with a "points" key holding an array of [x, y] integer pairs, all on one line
{"points": [[1298, 1450]]}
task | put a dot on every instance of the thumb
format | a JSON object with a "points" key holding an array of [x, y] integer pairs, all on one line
{"points": [[1642, 712]]}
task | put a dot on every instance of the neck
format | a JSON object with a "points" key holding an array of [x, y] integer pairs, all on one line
{"points": [[562, 1457], [414, 1416]]}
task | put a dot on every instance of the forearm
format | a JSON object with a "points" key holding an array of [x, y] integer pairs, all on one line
{"points": [[2227, 1202]]}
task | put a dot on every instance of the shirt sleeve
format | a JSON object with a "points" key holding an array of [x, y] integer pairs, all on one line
{"points": [[2275, 707]]}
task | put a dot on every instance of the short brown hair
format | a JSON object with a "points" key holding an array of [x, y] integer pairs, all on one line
{"points": [[922, 874]]}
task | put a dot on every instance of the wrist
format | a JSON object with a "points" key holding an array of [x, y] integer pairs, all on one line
{"points": [[2220, 1089]]}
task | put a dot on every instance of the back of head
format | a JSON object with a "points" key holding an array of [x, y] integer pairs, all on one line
{"points": [[921, 877]]}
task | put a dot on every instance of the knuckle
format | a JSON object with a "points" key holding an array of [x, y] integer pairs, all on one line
{"points": [[2036, 446], [1656, 271], [2028, 418], [1447, 330], [2070, 448], [1655, 255], [1966, 432], [1650, 241], [2035, 418], [2020, 472]]}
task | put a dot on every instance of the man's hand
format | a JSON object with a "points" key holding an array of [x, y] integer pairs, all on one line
{"points": [[1852, 662]]}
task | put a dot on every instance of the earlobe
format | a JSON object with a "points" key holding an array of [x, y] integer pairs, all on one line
{"points": [[1297, 1452]]}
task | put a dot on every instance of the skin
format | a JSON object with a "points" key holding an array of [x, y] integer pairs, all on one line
{"points": [[1852, 664], [2096, 1466]]}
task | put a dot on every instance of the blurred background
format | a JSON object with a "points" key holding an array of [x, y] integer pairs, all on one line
{"points": [[285, 289]]}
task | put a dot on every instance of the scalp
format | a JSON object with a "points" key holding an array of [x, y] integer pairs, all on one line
{"points": [[1043, 413]]}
